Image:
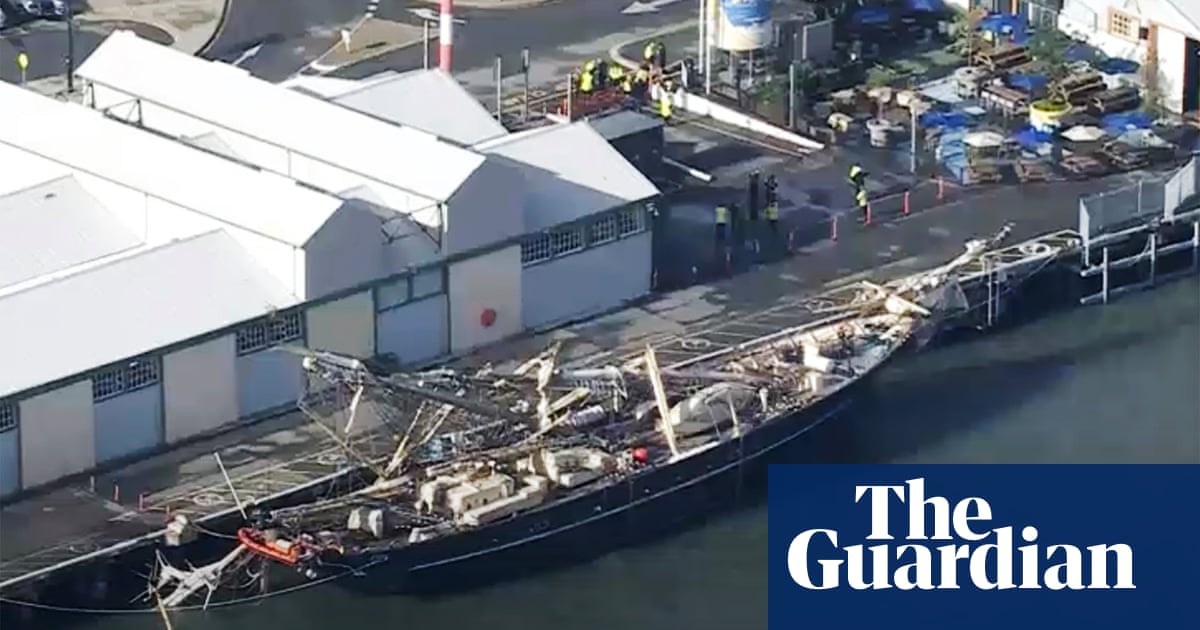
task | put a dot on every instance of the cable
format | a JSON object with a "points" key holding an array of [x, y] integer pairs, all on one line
{"points": [[224, 604]]}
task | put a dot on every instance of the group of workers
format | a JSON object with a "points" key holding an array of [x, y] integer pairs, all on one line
{"points": [[730, 217], [599, 75]]}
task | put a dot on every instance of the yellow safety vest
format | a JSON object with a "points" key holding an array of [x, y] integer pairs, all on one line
{"points": [[855, 171], [772, 212], [589, 66], [664, 106], [627, 85], [643, 76], [616, 73], [648, 51], [585, 82], [861, 198], [722, 215]]}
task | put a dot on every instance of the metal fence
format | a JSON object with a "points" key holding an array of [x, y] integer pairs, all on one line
{"points": [[1181, 188], [1131, 206]]}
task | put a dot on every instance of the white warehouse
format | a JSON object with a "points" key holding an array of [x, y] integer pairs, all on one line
{"points": [[205, 225], [132, 225]]}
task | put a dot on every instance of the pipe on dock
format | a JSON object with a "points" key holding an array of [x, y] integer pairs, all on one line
{"points": [[445, 34], [703, 176]]}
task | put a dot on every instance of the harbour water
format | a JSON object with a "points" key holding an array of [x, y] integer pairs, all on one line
{"points": [[1114, 384]]}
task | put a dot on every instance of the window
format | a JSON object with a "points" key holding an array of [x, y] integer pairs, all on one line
{"points": [[391, 294], [274, 330], [107, 384], [535, 248], [1123, 25], [427, 283], [603, 229], [114, 381], [566, 240], [631, 221], [8, 416]]}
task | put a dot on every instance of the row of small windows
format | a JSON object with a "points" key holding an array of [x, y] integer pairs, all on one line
{"points": [[272, 331], [8, 416], [568, 240], [135, 375], [409, 288]]}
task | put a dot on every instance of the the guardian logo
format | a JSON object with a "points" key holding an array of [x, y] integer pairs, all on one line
{"points": [[987, 558]]}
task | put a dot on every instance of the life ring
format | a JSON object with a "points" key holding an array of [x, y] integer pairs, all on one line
{"points": [[487, 317]]}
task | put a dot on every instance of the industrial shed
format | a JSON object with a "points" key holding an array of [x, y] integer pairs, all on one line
{"points": [[405, 99], [187, 286], [587, 247], [466, 202]]}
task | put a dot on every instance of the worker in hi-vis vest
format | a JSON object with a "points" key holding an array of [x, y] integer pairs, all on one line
{"points": [[664, 100], [857, 177], [860, 200], [722, 223]]}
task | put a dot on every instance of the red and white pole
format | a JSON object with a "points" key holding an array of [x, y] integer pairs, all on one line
{"points": [[445, 34]]}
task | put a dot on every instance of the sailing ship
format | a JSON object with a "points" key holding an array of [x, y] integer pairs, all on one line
{"points": [[494, 472]]}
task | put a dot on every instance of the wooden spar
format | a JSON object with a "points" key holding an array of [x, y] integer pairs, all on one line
{"points": [[344, 445], [660, 397], [352, 412], [402, 448]]}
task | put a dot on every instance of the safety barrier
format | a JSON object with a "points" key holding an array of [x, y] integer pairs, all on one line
{"points": [[1154, 198]]}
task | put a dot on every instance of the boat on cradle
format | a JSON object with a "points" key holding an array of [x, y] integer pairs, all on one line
{"points": [[495, 472]]}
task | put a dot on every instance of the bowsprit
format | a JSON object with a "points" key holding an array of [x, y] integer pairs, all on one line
{"points": [[912, 566]]}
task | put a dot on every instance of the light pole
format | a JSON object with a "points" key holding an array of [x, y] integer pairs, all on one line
{"points": [[70, 48]]}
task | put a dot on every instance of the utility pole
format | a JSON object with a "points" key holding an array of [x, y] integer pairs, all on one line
{"points": [[792, 95], [425, 42], [70, 49], [702, 28], [525, 63], [912, 149], [710, 36], [499, 90]]}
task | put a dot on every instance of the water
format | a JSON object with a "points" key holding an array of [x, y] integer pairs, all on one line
{"points": [[1115, 384]]}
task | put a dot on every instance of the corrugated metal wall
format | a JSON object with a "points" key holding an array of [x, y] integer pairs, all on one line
{"points": [[581, 269], [200, 391], [491, 281], [10, 449], [57, 434], [269, 379], [346, 326], [411, 317]]}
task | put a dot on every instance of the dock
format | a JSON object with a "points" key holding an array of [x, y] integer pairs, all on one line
{"points": [[59, 532]]}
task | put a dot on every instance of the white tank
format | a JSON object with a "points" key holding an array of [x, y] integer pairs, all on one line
{"points": [[743, 25]]}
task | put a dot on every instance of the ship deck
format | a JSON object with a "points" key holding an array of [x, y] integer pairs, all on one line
{"points": [[118, 510]]}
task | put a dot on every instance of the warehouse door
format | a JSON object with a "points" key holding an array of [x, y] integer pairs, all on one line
{"points": [[128, 410], [1191, 76]]}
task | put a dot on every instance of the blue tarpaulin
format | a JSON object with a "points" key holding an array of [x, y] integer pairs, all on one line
{"points": [[1001, 23], [872, 16], [1116, 124], [924, 6], [1028, 82], [1080, 52], [1031, 139], [948, 120], [1116, 65]]}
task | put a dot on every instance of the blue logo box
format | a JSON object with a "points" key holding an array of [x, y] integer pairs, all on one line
{"points": [[981, 547]]}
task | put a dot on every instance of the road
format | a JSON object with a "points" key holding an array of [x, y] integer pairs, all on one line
{"points": [[289, 34]]}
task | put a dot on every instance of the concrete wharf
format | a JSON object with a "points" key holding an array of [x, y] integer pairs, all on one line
{"points": [[287, 460]]}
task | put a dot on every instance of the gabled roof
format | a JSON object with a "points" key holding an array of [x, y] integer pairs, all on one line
{"points": [[429, 100], [85, 141], [571, 173], [55, 226], [185, 288], [233, 100]]}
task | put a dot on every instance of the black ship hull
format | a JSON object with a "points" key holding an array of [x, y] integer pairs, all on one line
{"points": [[636, 509]]}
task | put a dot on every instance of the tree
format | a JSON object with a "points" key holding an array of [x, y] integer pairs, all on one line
{"points": [[1152, 93], [966, 32], [1048, 47]]}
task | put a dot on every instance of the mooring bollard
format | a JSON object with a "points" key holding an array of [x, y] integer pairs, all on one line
{"points": [[906, 203]]}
